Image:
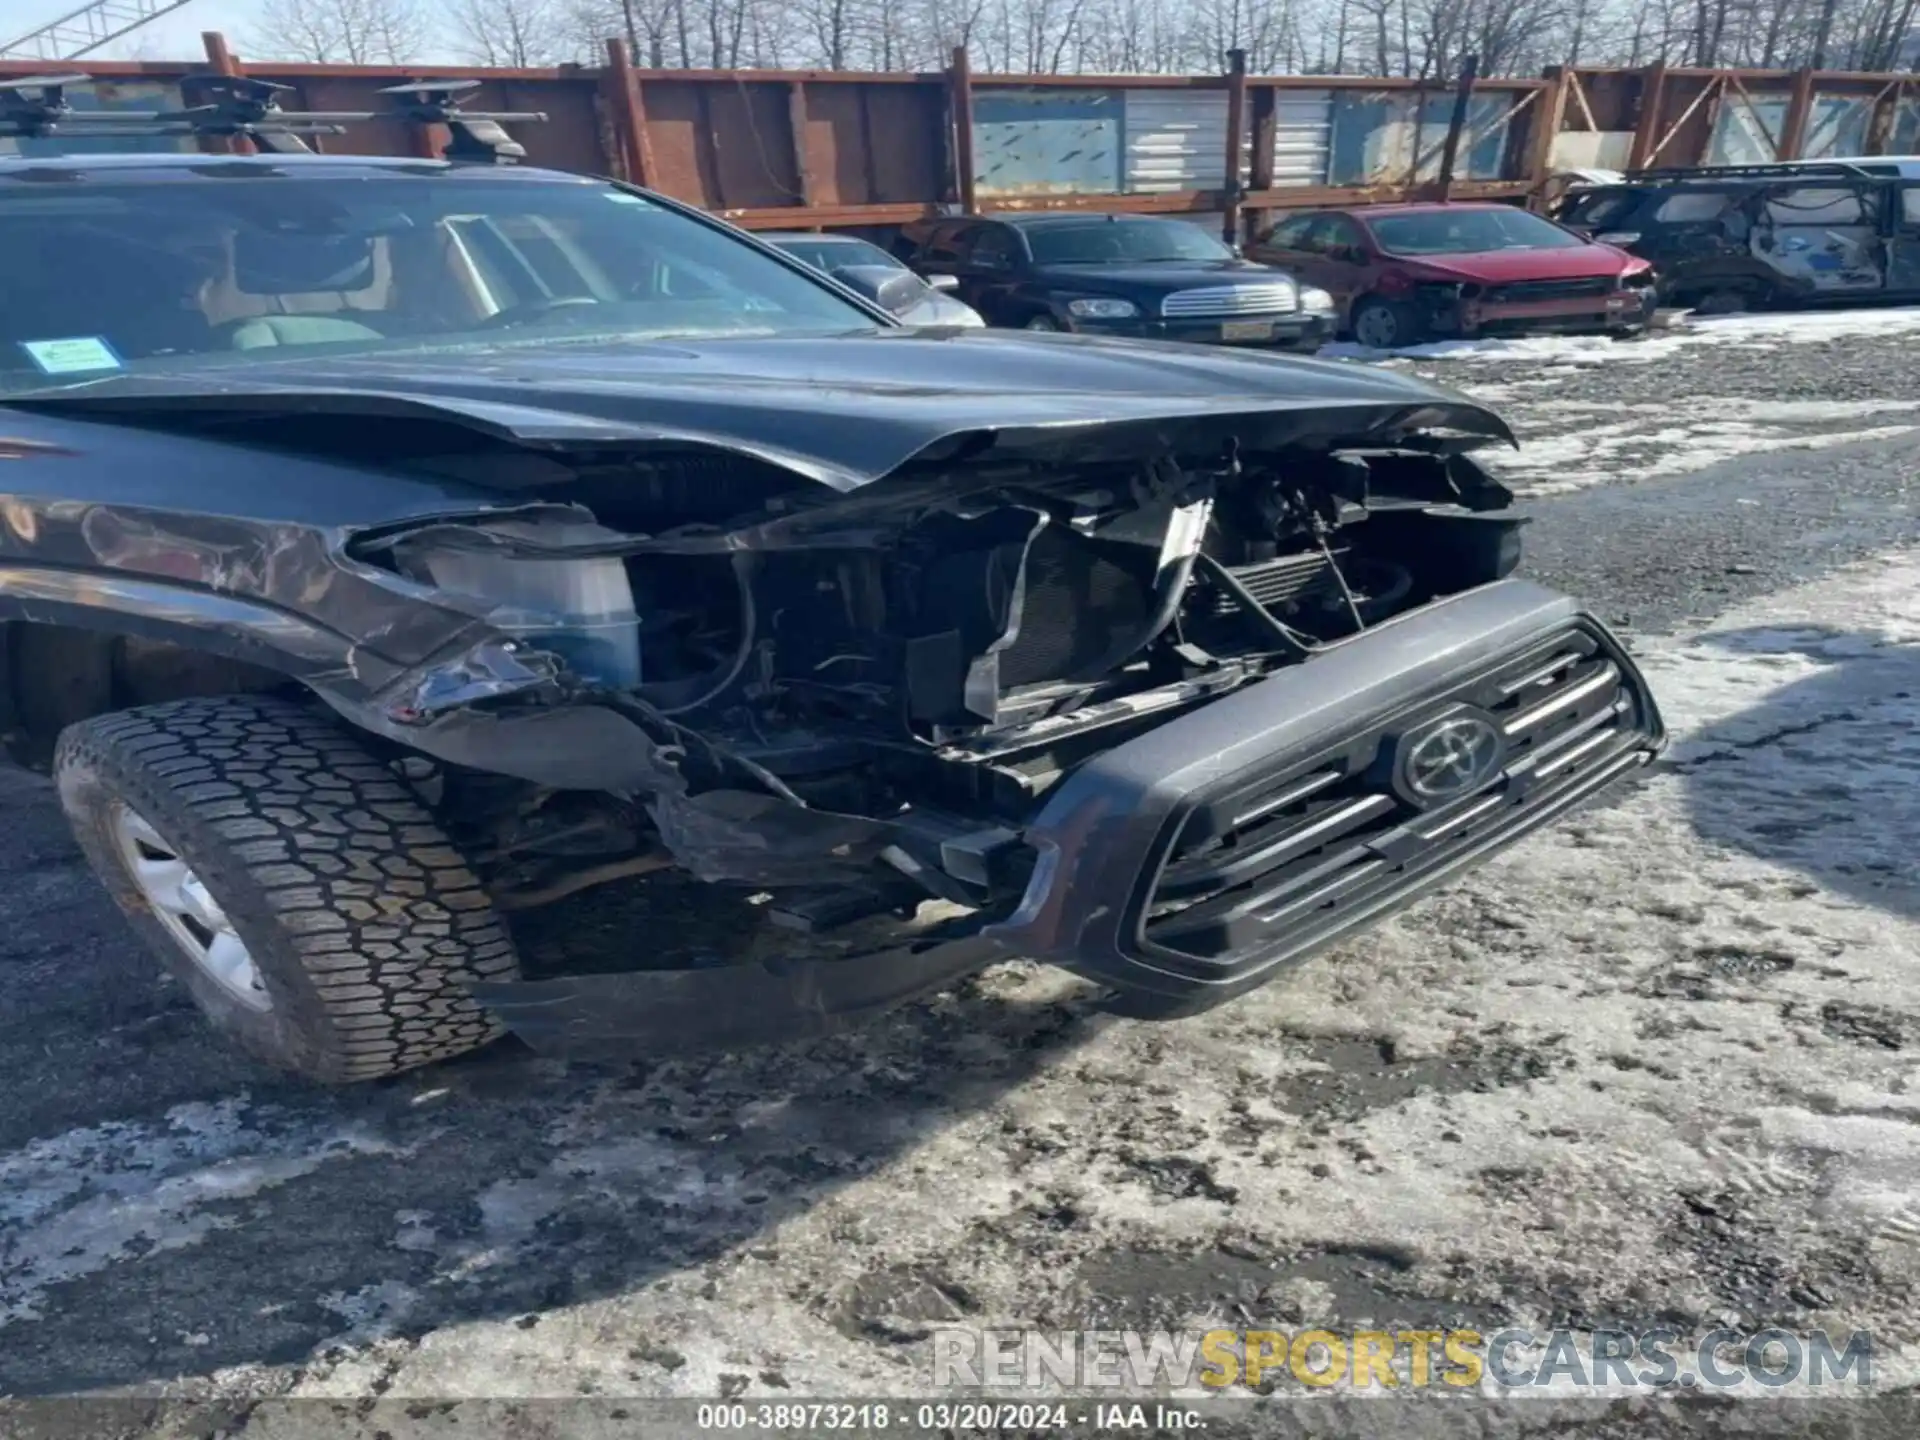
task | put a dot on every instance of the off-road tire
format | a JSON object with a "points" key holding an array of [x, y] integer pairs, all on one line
{"points": [[365, 923]]}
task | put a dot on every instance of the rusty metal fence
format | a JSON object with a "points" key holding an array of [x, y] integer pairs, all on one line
{"points": [[815, 149]]}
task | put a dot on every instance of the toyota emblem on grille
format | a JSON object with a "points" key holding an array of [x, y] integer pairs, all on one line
{"points": [[1449, 757]]}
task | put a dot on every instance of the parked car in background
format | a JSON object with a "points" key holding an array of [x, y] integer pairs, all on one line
{"points": [[1134, 275], [1402, 274], [878, 275], [1740, 237]]}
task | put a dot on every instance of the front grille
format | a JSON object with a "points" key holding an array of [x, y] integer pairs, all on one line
{"points": [[1289, 859], [1230, 300], [1526, 290]]}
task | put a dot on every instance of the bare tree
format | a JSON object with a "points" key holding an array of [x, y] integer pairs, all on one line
{"points": [[510, 33], [1424, 38], [351, 32]]}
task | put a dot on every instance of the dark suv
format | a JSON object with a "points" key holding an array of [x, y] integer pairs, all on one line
{"points": [[1737, 237], [1135, 275]]}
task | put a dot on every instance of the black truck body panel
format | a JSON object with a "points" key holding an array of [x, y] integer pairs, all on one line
{"points": [[971, 618]]}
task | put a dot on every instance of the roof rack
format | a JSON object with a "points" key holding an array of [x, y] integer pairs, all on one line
{"points": [[36, 107], [473, 135], [1848, 168]]}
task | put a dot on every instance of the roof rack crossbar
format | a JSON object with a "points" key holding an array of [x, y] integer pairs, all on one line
{"points": [[36, 107], [474, 136], [1761, 168]]}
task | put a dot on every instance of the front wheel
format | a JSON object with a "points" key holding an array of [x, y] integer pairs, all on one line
{"points": [[1724, 302], [289, 880], [1042, 322], [1385, 324]]}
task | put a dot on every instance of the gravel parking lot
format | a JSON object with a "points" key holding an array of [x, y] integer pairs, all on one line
{"points": [[1661, 1063]]}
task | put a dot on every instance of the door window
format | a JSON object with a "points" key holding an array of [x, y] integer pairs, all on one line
{"points": [[1693, 207], [947, 247], [1337, 237], [1291, 234], [1594, 208], [993, 250], [1343, 234]]}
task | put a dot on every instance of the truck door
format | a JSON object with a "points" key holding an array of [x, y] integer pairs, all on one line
{"points": [[1823, 236], [1903, 244]]}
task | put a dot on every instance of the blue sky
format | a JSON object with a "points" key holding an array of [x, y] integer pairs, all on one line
{"points": [[171, 37]]}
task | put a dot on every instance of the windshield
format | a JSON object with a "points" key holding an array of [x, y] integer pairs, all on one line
{"points": [[1123, 242], [825, 254], [1462, 232], [103, 278]]}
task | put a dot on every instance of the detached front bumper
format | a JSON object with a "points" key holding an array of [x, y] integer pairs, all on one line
{"points": [[1199, 860], [1617, 310]]}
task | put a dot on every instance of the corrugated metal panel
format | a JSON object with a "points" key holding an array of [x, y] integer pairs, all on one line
{"points": [[1906, 129], [1837, 126], [1591, 150], [1745, 131], [1389, 136], [1302, 136], [1047, 142], [1175, 140], [109, 95]]}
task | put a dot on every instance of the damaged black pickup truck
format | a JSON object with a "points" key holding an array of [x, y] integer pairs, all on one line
{"points": [[387, 544]]}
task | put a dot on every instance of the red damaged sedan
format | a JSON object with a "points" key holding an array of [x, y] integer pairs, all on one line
{"points": [[1403, 274]]}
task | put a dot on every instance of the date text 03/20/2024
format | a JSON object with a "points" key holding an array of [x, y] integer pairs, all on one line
{"points": [[945, 1416]]}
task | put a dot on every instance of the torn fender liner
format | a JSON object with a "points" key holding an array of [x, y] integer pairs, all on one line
{"points": [[566, 747], [735, 835], [683, 1012], [844, 414]]}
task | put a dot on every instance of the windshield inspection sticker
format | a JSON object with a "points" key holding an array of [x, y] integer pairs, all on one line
{"points": [[76, 355]]}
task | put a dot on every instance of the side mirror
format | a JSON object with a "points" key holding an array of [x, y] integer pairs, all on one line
{"points": [[942, 282], [895, 291]]}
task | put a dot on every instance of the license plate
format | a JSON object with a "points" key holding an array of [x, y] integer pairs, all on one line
{"points": [[1246, 330]]}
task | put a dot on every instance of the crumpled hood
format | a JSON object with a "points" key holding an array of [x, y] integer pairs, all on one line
{"points": [[844, 410]]}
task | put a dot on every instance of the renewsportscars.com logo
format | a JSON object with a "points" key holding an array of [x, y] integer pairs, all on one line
{"points": [[1601, 1361]]}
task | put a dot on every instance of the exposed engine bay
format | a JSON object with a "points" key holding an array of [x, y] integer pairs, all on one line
{"points": [[865, 697], [1168, 665]]}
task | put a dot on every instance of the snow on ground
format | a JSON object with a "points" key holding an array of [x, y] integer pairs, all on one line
{"points": [[80, 1203], [1685, 330], [1791, 382], [1651, 1064], [1612, 442]]}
